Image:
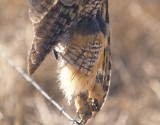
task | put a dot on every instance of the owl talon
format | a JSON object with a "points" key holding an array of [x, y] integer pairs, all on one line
{"points": [[82, 122], [85, 115], [95, 104]]}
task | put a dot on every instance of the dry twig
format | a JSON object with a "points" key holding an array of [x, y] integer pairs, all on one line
{"points": [[32, 82]]}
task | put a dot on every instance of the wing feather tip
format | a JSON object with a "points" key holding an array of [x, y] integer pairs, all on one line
{"points": [[31, 68]]}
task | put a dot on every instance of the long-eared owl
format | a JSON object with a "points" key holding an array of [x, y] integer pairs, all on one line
{"points": [[77, 31]]}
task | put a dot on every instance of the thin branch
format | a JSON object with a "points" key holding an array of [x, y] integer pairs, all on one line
{"points": [[32, 82]]}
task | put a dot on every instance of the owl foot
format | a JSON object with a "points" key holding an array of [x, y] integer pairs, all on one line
{"points": [[84, 110], [96, 99]]}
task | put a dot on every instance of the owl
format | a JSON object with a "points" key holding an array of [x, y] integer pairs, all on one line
{"points": [[77, 32]]}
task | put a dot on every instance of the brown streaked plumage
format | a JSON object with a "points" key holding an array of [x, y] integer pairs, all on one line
{"points": [[78, 33]]}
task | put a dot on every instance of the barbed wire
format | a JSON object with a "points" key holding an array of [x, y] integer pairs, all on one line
{"points": [[35, 84]]}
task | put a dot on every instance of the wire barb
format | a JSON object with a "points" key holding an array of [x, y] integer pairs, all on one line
{"points": [[32, 82]]}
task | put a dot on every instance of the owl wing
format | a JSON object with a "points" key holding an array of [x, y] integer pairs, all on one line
{"points": [[106, 67], [103, 76], [50, 19]]}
